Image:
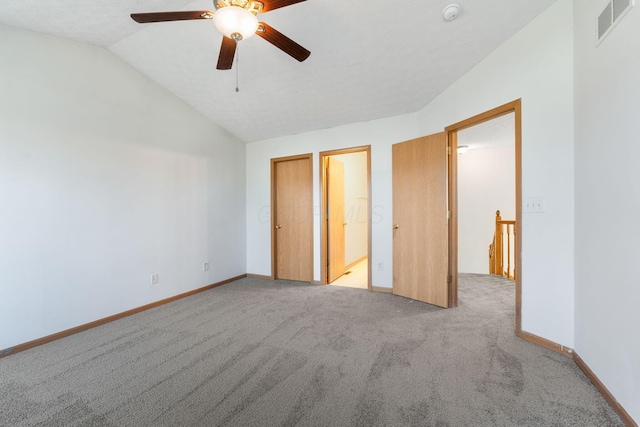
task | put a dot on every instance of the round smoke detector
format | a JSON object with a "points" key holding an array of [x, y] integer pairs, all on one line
{"points": [[450, 12]]}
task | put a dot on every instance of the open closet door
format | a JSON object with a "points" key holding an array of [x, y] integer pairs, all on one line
{"points": [[420, 223], [335, 219]]}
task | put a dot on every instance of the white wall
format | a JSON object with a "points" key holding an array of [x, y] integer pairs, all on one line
{"points": [[607, 192], [105, 179], [535, 65], [486, 183], [355, 205]]}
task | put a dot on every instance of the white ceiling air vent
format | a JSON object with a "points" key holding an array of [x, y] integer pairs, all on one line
{"points": [[610, 16]]}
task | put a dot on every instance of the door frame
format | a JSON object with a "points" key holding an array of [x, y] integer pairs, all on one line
{"points": [[274, 219], [323, 208], [452, 144]]}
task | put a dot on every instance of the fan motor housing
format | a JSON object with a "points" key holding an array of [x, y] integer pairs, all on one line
{"points": [[252, 6]]}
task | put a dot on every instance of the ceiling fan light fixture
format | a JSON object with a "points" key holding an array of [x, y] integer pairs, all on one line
{"points": [[235, 22]]}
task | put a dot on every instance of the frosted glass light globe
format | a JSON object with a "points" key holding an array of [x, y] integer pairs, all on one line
{"points": [[232, 20]]}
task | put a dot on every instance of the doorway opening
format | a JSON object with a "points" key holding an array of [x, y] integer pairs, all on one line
{"points": [[506, 116], [345, 217], [486, 198]]}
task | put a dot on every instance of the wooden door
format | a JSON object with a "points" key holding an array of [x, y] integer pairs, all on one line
{"points": [[293, 219], [335, 219], [420, 234]]}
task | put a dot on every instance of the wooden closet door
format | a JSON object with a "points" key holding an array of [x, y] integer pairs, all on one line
{"points": [[293, 219], [335, 218], [420, 234]]}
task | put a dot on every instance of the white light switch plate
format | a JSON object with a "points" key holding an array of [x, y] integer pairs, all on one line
{"points": [[533, 205]]}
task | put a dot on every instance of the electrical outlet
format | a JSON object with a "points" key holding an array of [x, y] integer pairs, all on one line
{"points": [[205, 266], [154, 279], [380, 266]]}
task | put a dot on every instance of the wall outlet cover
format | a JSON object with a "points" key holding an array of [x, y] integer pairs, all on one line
{"points": [[533, 205]]}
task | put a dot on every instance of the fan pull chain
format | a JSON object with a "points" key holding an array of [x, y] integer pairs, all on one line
{"points": [[237, 67]]}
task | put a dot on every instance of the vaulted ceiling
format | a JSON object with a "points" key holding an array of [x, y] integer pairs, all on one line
{"points": [[369, 59]]}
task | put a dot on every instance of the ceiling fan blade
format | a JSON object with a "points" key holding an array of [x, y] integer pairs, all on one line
{"points": [[227, 52], [277, 4], [144, 18], [282, 42]]}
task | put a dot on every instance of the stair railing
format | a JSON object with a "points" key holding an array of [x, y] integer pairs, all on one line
{"points": [[501, 261]]}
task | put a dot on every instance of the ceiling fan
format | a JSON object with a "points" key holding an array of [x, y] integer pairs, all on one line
{"points": [[236, 20]]}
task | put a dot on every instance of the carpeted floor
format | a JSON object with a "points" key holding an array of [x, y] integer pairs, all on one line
{"points": [[262, 353]]}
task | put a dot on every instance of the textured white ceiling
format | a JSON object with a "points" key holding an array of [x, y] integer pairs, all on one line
{"points": [[368, 59], [499, 132]]}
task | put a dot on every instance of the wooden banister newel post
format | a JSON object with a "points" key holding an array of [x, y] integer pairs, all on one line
{"points": [[497, 250]]}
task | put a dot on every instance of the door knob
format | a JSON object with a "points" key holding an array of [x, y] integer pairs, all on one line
{"points": [[278, 227], [396, 226]]}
